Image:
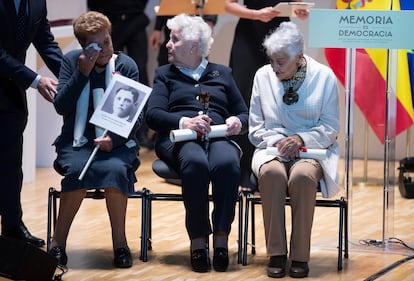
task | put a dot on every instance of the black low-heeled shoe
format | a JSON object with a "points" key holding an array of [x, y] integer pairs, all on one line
{"points": [[299, 269], [221, 259], [122, 258], [200, 260], [276, 268], [59, 254]]}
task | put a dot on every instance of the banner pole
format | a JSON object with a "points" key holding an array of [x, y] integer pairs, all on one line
{"points": [[349, 122], [95, 150], [349, 92], [389, 146]]}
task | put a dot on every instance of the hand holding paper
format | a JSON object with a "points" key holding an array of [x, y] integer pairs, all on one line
{"points": [[318, 154], [287, 9]]}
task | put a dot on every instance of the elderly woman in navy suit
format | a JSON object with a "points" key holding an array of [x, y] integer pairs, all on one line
{"points": [[178, 101], [113, 167]]}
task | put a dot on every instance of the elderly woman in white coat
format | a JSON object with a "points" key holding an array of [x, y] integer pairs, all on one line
{"points": [[294, 105]]}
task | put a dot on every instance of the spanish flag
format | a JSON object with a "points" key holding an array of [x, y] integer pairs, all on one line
{"points": [[371, 70]]}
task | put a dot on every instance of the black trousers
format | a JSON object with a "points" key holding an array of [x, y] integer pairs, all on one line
{"points": [[12, 125], [220, 167], [130, 35]]}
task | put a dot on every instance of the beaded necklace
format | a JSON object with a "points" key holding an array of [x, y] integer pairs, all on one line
{"points": [[292, 85]]}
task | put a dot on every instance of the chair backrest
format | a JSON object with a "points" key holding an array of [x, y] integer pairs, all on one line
{"points": [[255, 185], [405, 183]]}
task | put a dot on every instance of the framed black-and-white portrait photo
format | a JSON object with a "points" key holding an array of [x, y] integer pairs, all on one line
{"points": [[120, 105]]}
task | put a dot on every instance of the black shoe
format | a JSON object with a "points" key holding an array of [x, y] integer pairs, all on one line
{"points": [[299, 269], [122, 258], [200, 261], [22, 233], [276, 268], [221, 259], [59, 253]]}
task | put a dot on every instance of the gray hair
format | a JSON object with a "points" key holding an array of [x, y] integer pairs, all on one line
{"points": [[193, 28], [285, 39]]}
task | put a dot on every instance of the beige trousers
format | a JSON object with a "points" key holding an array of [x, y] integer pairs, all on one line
{"points": [[297, 179]]}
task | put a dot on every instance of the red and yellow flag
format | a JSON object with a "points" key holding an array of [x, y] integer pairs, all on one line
{"points": [[370, 75]]}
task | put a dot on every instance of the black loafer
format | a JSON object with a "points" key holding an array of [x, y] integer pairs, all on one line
{"points": [[200, 261], [299, 269], [221, 259], [122, 258], [59, 254], [276, 268], [22, 233]]}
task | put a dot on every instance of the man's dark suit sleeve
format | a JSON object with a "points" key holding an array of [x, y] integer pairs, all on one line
{"points": [[46, 46], [12, 65]]}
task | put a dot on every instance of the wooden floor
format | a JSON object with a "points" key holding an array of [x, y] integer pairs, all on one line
{"points": [[90, 249]]}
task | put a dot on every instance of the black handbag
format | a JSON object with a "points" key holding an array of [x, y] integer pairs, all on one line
{"points": [[405, 184], [20, 260]]}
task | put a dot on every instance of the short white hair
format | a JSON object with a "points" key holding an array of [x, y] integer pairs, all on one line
{"points": [[193, 28], [285, 39]]}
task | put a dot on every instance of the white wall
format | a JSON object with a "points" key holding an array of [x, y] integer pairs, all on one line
{"points": [[62, 9]]}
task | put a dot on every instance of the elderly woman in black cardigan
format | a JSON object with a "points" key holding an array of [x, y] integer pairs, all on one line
{"points": [[192, 93]]}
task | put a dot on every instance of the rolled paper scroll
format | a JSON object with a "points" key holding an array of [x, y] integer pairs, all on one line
{"points": [[217, 131], [313, 153]]}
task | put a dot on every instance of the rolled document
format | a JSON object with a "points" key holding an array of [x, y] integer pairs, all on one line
{"points": [[217, 131], [319, 154]]}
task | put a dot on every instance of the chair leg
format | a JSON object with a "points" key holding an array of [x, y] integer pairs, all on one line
{"points": [[246, 228], [144, 226], [343, 232], [252, 204], [50, 205], [345, 227], [341, 236], [149, 222], [240, 234]]}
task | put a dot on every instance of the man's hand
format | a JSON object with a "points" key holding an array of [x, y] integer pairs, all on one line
{"points": [[47, 88]]}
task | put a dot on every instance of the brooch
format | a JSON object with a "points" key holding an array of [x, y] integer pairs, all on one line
{"points": [[215, 73]]}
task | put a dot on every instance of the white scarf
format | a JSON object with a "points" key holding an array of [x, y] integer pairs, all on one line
{"points": [[82, 105]]}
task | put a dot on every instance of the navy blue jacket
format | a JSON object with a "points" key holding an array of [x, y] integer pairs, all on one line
{"points": [[15, 77], [174, 96]]}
